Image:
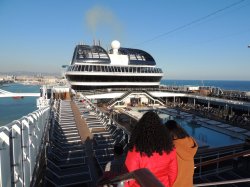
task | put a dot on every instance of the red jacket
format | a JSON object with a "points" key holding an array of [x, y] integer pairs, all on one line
{"points": [[164, 166]]}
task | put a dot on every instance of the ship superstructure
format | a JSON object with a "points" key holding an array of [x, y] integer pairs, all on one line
{"points": [[92, 67]]}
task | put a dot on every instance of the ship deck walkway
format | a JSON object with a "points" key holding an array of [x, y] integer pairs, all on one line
{"points": [[67, 156]]}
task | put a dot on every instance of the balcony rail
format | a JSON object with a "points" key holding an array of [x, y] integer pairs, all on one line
{"points": [[108, 69]]}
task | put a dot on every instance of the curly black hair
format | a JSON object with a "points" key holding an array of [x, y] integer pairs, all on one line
{"points": [[150, 135], [175, 130]]}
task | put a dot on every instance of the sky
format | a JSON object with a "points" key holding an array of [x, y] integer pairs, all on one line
{"points": [[189, 39]]}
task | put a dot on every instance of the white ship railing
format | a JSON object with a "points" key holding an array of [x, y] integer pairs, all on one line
{"points": [[113, 69], [4, 93], [20, 143]]}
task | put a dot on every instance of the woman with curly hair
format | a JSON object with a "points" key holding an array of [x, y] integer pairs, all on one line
{"points": [[186, 148], [151, 147]]}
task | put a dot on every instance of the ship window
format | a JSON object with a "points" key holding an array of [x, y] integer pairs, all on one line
{"points": [[95, 55], [134, 69], [139, 57], [98, 68], [80, 54], [138, 70], [90, 68], [143, 70], [119, 69], [133, 57]]}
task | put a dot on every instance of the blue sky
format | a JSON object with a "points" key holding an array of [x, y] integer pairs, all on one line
{"points": [[189, 39]]}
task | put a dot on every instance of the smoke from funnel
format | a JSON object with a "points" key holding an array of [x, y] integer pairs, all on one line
{"points": [[99, 18]]}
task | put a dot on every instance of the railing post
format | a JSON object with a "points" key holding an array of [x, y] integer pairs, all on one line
{"points": [[200, 166], [17, 165], [217, 164], [26, 152], [5, 168], [32, 141]]}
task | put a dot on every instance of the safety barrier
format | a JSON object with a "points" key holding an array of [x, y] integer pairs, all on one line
{"points": [[20, 143]]}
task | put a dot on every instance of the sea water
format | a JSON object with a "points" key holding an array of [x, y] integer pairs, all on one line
{"points": [[225, 85], [13, 109]]}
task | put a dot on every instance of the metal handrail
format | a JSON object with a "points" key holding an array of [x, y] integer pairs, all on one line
{"points": [[223, 182], [143, 176], [227, 157], [146, 179]]}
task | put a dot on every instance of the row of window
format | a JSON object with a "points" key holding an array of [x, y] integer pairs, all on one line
{"points": [[121, 69], [95, 78]]}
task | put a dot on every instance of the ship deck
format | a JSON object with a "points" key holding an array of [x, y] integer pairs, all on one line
{"points": [[97, 131]]}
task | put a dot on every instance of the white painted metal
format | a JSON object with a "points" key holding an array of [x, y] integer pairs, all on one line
{"points": [[26, 152], [115, 83], [4, 93], [19, 147], [5, 170], [17, 154], [120, 74]]}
